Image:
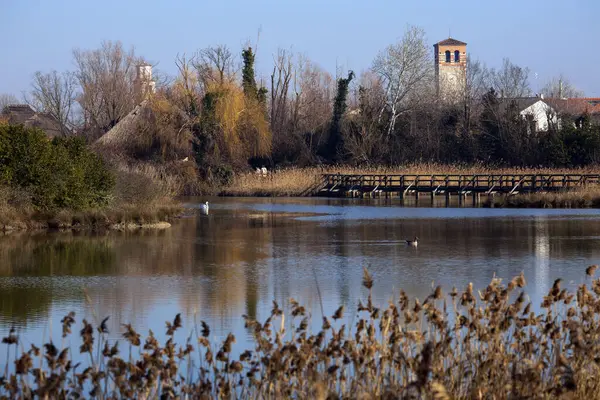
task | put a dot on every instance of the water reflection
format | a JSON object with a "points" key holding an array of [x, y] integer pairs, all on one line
{"points": [[248, 252], [541, 249]]}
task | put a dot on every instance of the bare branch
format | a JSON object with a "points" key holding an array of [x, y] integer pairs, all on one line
{"points": [[55, 94], [405, 69], [561, 87], [7, 99], [106, 77], [511, 81], [215, 64]]}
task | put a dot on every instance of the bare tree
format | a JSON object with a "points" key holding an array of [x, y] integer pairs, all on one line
{"points": [[511, 80], [405, 69], [6, 99], [560, 87], [186, 86], [55, 93], [281, 77], [215, 65], [363, 137], [478, 82], [311, 103], [106, 77]]}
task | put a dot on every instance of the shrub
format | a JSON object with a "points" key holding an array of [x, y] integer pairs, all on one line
{"points": [[223, 175], [58, 173]]}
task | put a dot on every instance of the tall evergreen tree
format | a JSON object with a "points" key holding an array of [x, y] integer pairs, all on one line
{"points": [[248, 80], [251, 90], [335, 140]]}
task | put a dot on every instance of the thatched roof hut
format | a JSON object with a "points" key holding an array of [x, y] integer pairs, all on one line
{"points": [[23, 114]]}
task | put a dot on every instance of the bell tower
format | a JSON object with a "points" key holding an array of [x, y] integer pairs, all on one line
{"points": [[450, 69], [143, 84]]}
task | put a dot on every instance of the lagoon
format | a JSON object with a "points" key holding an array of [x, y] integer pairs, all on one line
{"points": [[248, 252]]}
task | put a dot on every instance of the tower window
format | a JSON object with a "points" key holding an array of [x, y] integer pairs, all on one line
{"points": [[457, 56], [448, 56]]}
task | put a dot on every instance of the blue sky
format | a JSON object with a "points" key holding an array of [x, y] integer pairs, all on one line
{"points": [[550, 37]]}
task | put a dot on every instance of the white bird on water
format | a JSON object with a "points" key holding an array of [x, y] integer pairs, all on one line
{"points": [[414, 242], [204, 208]]}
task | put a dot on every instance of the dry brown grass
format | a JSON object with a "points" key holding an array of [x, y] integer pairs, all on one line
{"points": [[472, 344], [143, 196], [589, 198], [299, 181], [114, 217]]}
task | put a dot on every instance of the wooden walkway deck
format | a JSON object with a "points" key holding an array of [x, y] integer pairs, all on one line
{"points": [[402, 185]]}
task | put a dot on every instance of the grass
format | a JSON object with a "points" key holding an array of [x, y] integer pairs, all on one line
{"points": [[486, 343], [123, 216], [295, 182]]}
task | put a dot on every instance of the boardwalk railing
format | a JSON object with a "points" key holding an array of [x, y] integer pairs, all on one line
{"points": [[340, 185]]}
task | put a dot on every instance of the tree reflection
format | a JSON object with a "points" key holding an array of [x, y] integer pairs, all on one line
{"points": [[235, 262]]}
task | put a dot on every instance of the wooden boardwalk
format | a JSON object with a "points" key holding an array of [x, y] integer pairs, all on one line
{"points": [[378, 185]]}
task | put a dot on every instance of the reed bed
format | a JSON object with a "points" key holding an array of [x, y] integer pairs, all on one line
{"points": [[299, 181], [469, 344], [23, 217], [589, 198]]}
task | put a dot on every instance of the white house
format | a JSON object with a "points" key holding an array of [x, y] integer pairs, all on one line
{"points": [[534, 109], [544, 112]]}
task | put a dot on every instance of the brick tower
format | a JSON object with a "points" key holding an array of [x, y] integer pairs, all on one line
{"points": [[450, 69]]}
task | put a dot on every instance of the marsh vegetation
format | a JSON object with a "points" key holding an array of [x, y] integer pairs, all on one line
{"points": [[467, 343]]}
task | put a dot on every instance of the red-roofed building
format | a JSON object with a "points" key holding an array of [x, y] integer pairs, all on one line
{"points": [[577, 108]]}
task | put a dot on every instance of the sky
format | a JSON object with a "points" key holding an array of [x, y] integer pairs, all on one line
{"points": [[550, 37]]}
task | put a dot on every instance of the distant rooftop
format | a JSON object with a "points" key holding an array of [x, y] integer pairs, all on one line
{"points": [[521, 102], [451, 42], [575, 106], [23, 114]]}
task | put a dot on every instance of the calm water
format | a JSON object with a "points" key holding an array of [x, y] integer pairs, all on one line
{"points": [[248, 252]]}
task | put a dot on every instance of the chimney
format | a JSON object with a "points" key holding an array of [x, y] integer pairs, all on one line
{"points": [[144, 86]]}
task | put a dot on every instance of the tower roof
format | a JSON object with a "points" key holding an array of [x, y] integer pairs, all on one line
{"points": [[451, 42]]}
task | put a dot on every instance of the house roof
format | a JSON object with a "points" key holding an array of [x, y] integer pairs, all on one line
{"points": [[23, 114], [450, 42], [575, 106], [125, 131], [521, 102]]}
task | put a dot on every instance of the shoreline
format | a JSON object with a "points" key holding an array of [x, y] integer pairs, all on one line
{"points": [[589, 199], [124, 218]]}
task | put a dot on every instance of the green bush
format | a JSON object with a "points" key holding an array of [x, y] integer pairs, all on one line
{"points": [[223, 174], [58, 173]]}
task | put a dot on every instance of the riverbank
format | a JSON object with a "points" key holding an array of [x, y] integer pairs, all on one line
{"points": [[452, 344], [577, 199], [120, 217]]}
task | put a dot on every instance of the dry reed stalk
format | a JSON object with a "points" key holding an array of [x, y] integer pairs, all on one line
{"points": [[296, 181], [491, 345]]}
